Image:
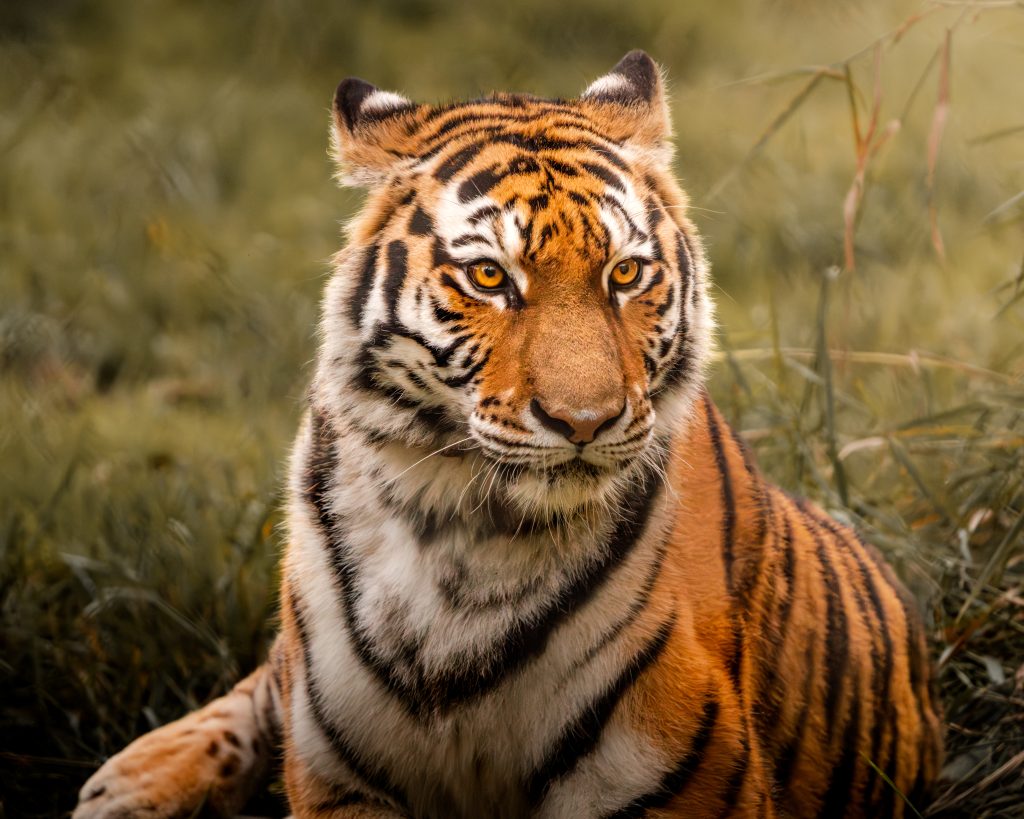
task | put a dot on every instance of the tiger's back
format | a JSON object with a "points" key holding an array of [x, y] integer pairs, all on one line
{"points": [[531, 570]]}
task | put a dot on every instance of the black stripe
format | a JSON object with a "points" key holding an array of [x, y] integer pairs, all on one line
{"points": [[734, 787], [420, 224], [469, 374], [484, 212], [560, 167], [679, 369], [837, 797], [371, 775], [604, 174], [785, 759], [398, 258], [362, 292], [440, 257], [760, 499], [882, 679], [886, 808], [666, 305], [636, 607], [728, 501], [920, 673], [655, 215], [634, 230], [443, 315], [654, 281], [491, 114], [836, 628], [676, 779], [367, 378], [770, 693], [468, 239], [479, 184], [683, 257], [581, 736], [457, 161]]}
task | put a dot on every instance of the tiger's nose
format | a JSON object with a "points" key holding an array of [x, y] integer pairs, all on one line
{"points": [[579, 426]]}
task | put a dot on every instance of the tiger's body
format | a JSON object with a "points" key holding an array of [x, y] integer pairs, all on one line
{"points": [[531, 570]]}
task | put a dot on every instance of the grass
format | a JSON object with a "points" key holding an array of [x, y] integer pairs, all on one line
{"points": [[166, 213]]}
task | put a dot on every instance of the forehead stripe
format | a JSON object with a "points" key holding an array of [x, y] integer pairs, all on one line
{"points": [[457, 161], [479, 184]]}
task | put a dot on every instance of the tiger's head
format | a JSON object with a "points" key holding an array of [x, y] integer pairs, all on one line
{"points": [[522, 285]]}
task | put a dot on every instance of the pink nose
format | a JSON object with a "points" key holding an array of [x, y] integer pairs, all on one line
{"points": [[579, 426]]}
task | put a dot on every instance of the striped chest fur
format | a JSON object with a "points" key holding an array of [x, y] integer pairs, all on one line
{"points": [[457, 651]]}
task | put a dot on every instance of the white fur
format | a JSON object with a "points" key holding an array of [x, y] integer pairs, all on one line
{"points": [[383, 101], [608, 84]]}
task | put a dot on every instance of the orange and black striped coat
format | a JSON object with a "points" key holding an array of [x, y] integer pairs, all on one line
{"points": [[531, 570]]}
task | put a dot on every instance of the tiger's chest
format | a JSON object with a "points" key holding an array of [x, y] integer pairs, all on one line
{"points": [[450, 685]]}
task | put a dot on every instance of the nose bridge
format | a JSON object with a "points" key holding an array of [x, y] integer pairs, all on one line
{"points": [[575, 365]]}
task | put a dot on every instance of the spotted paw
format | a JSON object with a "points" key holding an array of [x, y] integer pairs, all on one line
{"points": [[206, 763]]}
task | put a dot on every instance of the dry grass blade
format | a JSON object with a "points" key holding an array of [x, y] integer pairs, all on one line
{"points": [[938, 127], [1003, 208], [996, 564], [889, 783], [992, 136], [781, 118], [914, 361], [954, 800]]}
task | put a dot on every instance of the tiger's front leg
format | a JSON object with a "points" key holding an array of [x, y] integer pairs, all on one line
{"points": [[211, 760]]}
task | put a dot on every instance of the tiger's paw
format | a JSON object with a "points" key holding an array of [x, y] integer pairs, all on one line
{"points": [[206, 763]]}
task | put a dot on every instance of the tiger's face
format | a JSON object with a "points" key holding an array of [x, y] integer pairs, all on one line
{"points": [[523, 282]]}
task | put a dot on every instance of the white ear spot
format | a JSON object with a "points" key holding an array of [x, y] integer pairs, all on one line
{"points": [[608, 86], [381, 101]]}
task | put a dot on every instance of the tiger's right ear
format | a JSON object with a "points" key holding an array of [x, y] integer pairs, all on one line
{"points": [[371, 131], [631, 104]]}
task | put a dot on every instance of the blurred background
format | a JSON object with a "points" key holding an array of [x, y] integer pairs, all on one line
{"points": [[166, 218]]}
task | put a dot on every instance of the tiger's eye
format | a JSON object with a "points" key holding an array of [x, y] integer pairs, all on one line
{"points": [[626, 272], [486, 275]]}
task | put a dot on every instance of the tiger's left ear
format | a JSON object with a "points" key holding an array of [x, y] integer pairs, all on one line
{"points": [[630, 103], [371, 131]]}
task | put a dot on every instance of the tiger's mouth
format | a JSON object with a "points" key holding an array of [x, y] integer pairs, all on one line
{"points": [[566, 462], [563, 466]]}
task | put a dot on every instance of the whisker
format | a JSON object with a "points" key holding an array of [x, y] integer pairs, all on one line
{"points": [[431, 455]]}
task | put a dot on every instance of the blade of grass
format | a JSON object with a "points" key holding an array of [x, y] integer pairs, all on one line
{"points": [[891, 784]]}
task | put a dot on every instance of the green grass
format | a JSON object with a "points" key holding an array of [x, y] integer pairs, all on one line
{"points": [[166, 216]]}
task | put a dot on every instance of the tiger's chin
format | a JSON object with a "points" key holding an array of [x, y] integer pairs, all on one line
{"points": [[573, 487]]}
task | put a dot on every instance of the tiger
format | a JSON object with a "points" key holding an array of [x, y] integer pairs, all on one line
{"points": [[531, 571]]}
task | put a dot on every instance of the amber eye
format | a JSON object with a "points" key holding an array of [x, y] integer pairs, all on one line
{"points": [[626, 273], [486, 275]]}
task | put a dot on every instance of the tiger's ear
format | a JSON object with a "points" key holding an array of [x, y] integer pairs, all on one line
{"points": [[371, 131], [630, 103]]}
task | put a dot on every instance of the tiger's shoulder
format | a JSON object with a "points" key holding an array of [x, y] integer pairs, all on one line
{"points": [[810, 623]]}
